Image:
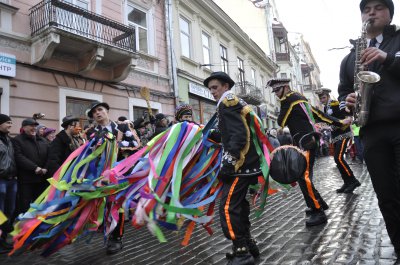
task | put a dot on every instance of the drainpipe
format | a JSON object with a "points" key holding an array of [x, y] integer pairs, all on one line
{"points": [[173, 81]]}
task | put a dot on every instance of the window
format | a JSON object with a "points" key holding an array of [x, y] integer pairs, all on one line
{"points": [[185, 37], [224, 58], [138, 19], [241, 70], [253, 76], [205, 39], [283, 75], [77, 107]]}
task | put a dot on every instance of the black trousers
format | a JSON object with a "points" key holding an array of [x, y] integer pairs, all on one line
{"points": [[311, 195], [344, 168], [234, 209], [28, 193], [382, 157]]}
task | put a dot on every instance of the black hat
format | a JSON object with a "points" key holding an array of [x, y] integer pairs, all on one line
{"points": [[387, 3], [95, 105], [122, 118], [4, 118], [29, 121], [323, 91], [67, 120], [160, 116], [276, 83], [222, 76]]}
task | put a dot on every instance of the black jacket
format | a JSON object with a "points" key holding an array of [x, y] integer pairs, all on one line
{"points": [[59, 150], [8, 168], [233, 125], [297, 119], [30, 153], [385, 106]]}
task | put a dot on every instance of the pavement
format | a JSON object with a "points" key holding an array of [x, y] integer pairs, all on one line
{"points": [[355, 233]]}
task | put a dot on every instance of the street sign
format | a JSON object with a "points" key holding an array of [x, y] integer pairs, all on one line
{"points": [[7, 64]]}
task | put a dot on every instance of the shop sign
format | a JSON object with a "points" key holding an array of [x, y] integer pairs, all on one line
{"points": [[199, 90], [7, 64]]}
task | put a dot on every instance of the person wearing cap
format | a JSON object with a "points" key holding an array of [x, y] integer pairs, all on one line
{"points": [[49, 134], [240, 167], [184, 112], [340, 139], [31, 156], [99, 111], [161, 124], [8, 182], [63, 144], [40, 130], [381, 133], [298, 116]]}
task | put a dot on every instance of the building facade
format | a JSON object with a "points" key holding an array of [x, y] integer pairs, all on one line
{"points": [[70, 53], [204, 40]]}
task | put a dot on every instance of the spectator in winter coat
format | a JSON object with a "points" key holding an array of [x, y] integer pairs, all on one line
{"points": [[31, 158], [63, 144]]}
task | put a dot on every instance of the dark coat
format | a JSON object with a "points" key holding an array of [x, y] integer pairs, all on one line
{"points": [[59, 150], [233, 124], [8, 168], [30, 153]]}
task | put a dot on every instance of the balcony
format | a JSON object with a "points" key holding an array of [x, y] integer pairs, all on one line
{"points": [[249, 93], [69, 38], [282, 57]]}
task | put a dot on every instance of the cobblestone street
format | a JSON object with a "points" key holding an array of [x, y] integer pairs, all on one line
{"points": [[355, 233]]}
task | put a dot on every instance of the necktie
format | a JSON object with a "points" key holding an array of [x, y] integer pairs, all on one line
{"points": [[372, 42]]}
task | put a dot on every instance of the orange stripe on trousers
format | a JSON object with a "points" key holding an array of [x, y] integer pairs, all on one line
{"points": [[226, 209], [341, 156], [308, 182]]}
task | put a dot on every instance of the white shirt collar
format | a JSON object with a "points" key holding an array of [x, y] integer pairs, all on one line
{"points": [[379, 40], [223, 96]]}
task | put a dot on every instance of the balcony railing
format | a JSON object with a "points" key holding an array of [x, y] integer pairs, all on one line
{"points": [[76, 20], [248, 92]]}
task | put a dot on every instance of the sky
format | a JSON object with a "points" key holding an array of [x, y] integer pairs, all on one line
{"points": [[326, 24]]}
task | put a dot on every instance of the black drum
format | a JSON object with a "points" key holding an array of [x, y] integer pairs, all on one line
{"points": [[288, 164]]}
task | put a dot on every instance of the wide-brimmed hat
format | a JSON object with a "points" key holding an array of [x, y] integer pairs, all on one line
{"points": [[67, 120], [222, 76], [276, 83], [95, 105], [388, 3], [29, 121]]}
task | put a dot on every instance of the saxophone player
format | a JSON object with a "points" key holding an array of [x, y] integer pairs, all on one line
{"points": [[381, 133], [340, 139]]}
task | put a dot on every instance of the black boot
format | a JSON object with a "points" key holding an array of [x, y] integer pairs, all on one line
{"points": [[241, 254], [253, 248], [341, 189], [352, 186], [114, 245], [317, 217]]}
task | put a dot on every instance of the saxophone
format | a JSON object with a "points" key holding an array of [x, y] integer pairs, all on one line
{"points": [[363, 81]]}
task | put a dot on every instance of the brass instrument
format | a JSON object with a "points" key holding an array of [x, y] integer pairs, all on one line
{"points": [[363, 81]]}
